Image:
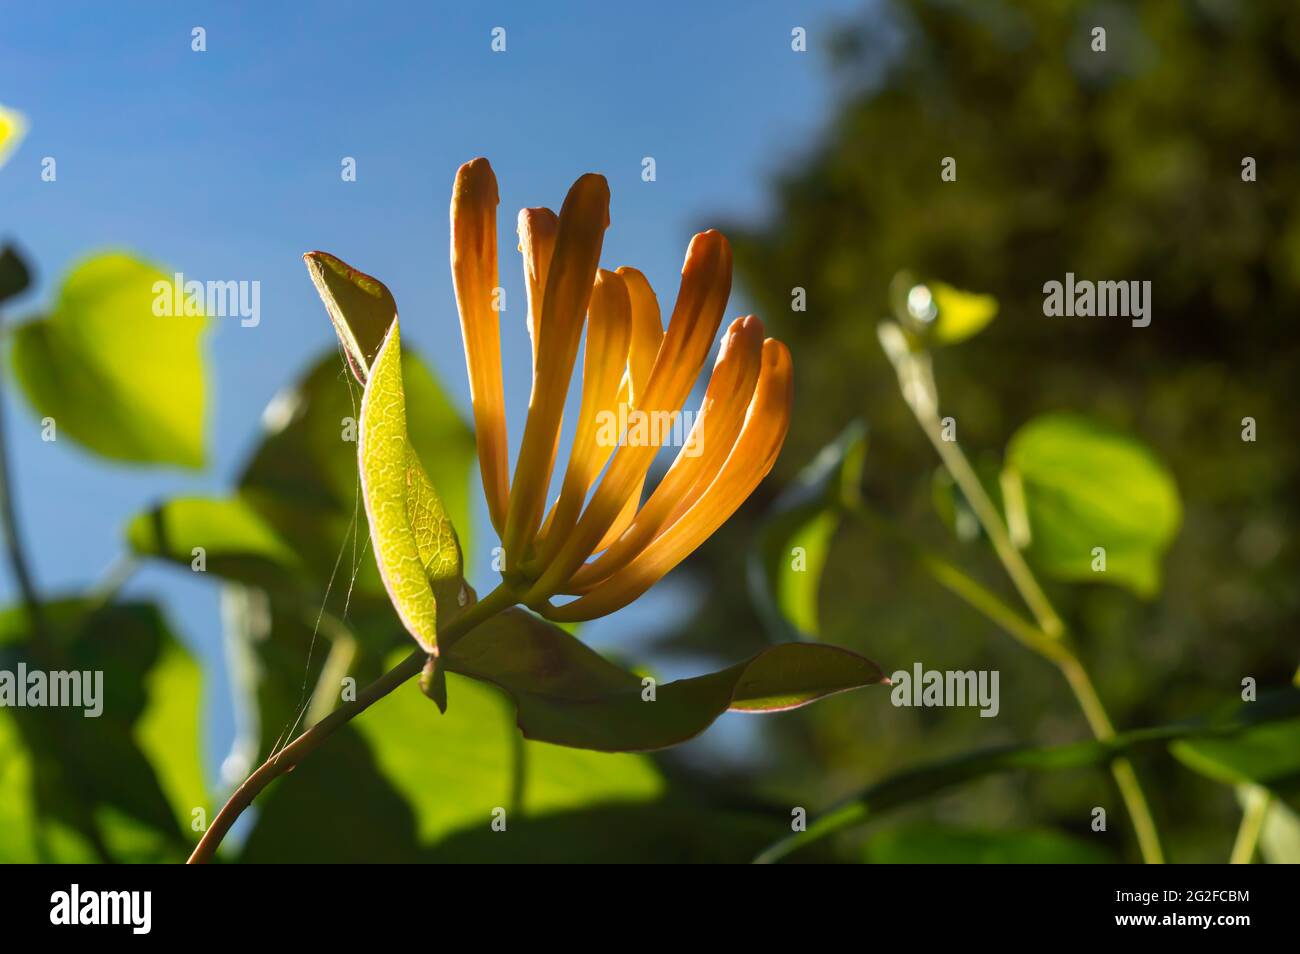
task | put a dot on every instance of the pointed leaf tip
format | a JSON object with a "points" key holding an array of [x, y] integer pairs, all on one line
{"points": [[360, 307], [568, 694]]}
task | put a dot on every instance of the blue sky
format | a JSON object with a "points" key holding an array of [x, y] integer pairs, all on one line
{"points": [[226, 165]]}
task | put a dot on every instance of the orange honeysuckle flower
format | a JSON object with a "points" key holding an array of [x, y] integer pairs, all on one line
{"points": [[631, 365]]}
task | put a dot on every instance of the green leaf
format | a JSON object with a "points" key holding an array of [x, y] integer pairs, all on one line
{"points": [[1086, 486], [934, 844], [121, 786], [169, 731], [361, 308], [961, 314], [935, 313], [925, 781], [236, 541], [414, 542], [424, 776], [568, 694], [15, 276], [1279, 839], [785, 567], [119, 379], [1267, 755], [19, 816]]}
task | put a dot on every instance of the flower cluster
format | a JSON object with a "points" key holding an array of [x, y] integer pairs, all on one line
{"points": [[599, 541]]}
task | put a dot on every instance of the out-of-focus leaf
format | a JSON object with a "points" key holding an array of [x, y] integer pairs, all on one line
{"points": [[169, 730], [1267, 755], [237, 542], [14, 273], [477, 732], [1279, 838], [568, 694], [19, 821], [1086, 486], [936, 313], [961, 314], [934, 844], [120, 786], [928, 780], [415, 544], [12, 127], [785, 567], [121, 380], [423, 776], [361, 308]]}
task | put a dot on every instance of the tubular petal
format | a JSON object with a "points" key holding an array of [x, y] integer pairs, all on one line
{"points": [[608, 331], [647, 332], [474, 275], [756, 449], [583, 220], [706, 284], [722, 412], [622, 521], [537, 230]]}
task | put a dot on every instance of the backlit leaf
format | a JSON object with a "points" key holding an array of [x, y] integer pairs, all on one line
{"points": [[424, 776], [361, 308], [961, 314], [414, 542], [1087, 487], [117, 378], [785, 568], [237, 543]]}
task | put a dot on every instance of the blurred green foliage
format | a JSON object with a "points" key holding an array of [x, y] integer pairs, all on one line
{"points": [[1124, 165]]}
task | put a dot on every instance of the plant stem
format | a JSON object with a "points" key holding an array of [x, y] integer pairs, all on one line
{"points": [[986, 512], [1121, 769], [1252, 824], [117, 575], [499, 599], [12, 538], [919, 393]]}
